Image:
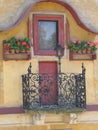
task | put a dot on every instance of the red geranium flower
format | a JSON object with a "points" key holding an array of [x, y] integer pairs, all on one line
{"points": [[24, 43], [6, 47], [27, 47], [18, 43]]}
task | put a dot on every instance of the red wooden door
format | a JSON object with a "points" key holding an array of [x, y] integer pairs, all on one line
{"points": [[48, 83]]}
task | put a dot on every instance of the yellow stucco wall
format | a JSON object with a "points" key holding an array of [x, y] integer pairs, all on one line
{"points": [[11, 71]]}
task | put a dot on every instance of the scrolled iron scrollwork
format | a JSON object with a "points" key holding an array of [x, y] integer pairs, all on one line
{"points": [[71, 90]]}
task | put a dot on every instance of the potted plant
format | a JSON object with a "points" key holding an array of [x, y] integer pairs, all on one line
{"points": [[12, 45], [93, 46], [27, 46], [24, 45], [73, 45], [17, 49], [84, 46], [5, 47]]}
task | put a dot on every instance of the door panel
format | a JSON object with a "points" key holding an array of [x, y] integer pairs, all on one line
{"points": [[48, 83]]}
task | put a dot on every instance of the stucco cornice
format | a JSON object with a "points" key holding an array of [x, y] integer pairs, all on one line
{"points": [[81, 16]]}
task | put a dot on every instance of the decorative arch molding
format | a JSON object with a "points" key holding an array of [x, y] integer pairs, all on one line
{"points": [[61, 2]]}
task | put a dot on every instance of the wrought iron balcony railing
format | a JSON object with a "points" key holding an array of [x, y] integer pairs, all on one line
{"points": [[39, 92]]}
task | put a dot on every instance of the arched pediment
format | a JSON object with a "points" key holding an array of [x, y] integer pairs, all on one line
{"points": [[12, 20]]}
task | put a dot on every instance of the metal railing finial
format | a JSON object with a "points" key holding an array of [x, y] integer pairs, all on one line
{"points": [[29, 68], [83, 69]]}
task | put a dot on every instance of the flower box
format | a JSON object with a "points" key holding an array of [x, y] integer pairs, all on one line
{"points": [[81, 56], [16, 49], [82, 50], [18, 56]]}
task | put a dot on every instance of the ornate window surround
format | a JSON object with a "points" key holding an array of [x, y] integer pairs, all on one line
{"points": [[35, 50]]}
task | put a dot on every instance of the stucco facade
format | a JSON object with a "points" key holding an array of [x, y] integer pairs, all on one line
{"points": [[14, 22]]}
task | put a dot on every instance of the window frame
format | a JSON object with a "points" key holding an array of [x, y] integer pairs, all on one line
{"points": [[48, 17]]}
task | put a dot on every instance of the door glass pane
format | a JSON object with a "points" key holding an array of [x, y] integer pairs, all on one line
{"points": [[47, 35]]}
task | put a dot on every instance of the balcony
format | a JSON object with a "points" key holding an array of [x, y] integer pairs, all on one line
{"points": [[38, 89]]}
